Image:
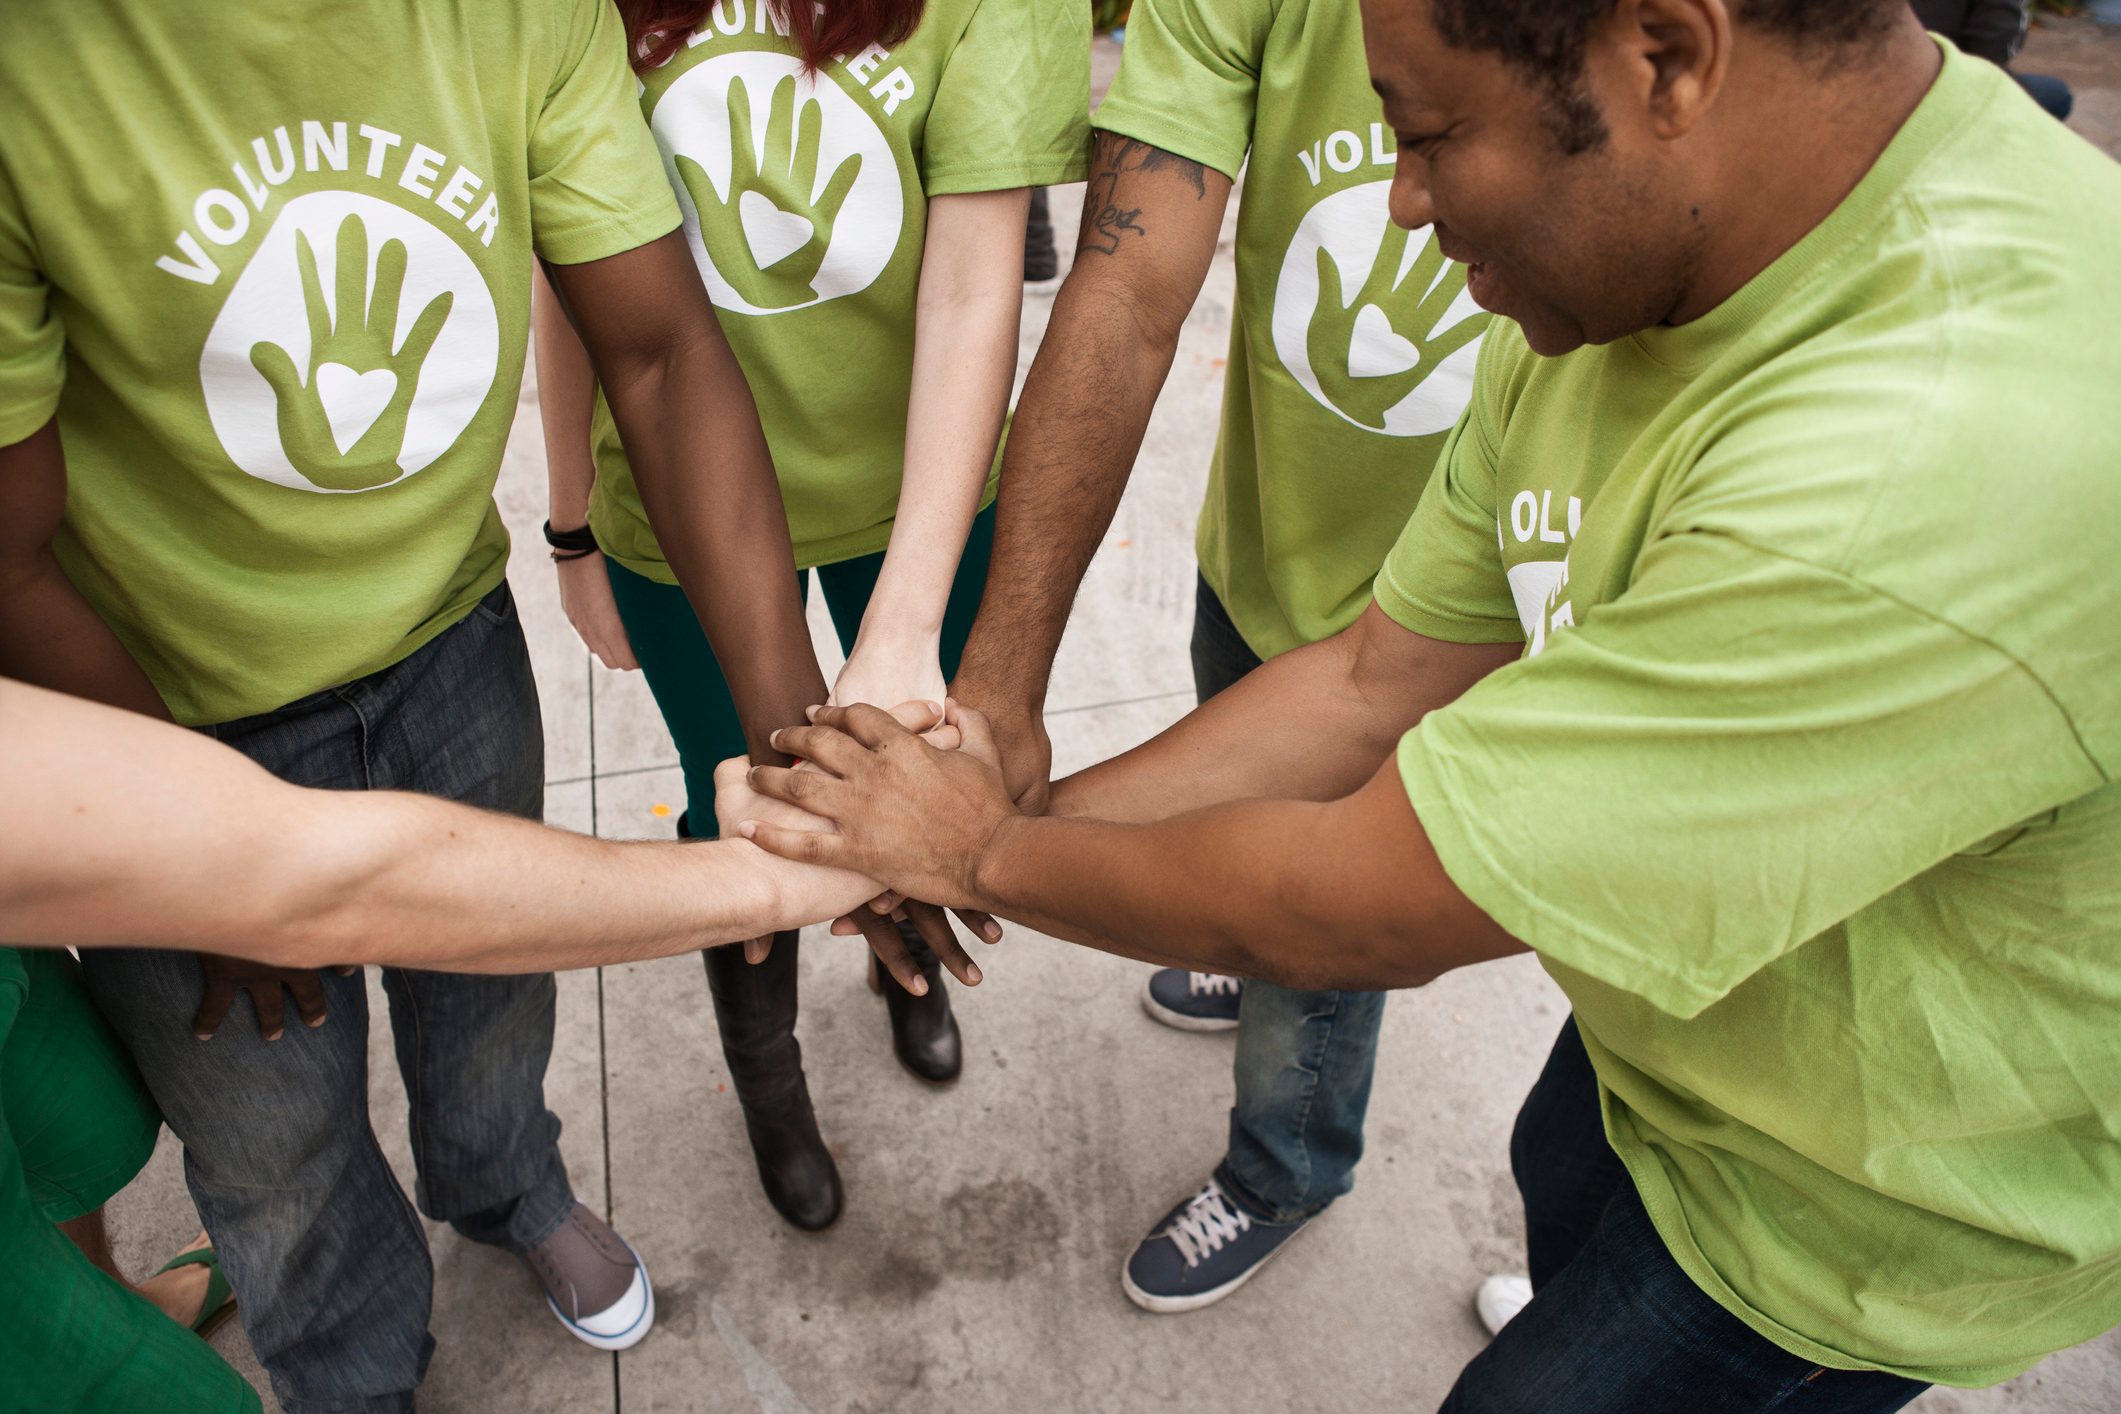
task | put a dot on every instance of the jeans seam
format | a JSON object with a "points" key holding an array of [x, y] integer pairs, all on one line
{"points": [[416, 1084], [368, 774]]}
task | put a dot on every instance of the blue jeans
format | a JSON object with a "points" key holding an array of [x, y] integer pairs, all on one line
{"points": [[328, 1260], [1615, 1326], [1304, 1059]]}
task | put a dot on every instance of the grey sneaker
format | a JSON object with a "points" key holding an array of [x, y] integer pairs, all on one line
{"points": [[594, 1282]]}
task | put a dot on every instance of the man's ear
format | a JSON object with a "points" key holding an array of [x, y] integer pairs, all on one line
{"points": [[1678, 52]]}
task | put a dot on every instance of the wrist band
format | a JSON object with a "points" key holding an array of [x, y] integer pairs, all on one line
{"points": [[581, 540], [558, 555]]}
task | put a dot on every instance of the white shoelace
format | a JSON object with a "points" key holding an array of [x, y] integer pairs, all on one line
{"points": [[1209, 1221], [1211, 984]]}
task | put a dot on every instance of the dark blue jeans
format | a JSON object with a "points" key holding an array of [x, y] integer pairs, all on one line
{"points": [[1615, 1327], [1304, 1059], [328, 1260]]}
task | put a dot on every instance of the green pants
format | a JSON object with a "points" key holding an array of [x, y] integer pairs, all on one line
{"points": [[689, 687], [76, 1124]]}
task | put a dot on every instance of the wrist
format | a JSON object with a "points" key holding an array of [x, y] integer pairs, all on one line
{"points": [[989, 880], [998, 692]]}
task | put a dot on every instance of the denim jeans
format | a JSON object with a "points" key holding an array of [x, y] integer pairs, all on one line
{"points": [[1615, 1326], [1304, 1059], [329, 1263]]}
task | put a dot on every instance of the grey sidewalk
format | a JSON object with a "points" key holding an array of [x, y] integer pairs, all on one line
{"points": [[977, 1266]]}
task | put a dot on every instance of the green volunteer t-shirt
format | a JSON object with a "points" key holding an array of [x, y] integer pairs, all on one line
{"points": [[1805, 791], [806, 202], [1353, 342], [269, 264]]}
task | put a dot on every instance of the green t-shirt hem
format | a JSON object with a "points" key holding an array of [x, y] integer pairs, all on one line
{"points": [[1661, 1201], [23, 416], [599, 240], [1169, 132], [1049, 172]]}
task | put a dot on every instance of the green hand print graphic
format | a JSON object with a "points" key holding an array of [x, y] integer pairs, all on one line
{"points": [[1410, 346], [769, 237], [343, 426]]}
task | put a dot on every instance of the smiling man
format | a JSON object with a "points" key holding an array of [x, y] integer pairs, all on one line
{"points": [[1802, 785]]}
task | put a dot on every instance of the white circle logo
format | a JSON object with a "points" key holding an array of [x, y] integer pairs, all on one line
{"points": [[354, 350], [790, 191], [1372, 320]]}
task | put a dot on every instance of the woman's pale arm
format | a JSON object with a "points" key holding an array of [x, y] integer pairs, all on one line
{"points": [[964, 360]]}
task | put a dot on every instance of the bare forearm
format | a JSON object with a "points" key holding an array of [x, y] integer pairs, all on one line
{"points": [[1312, 724], [707, 484], [691, 432], [1150, 220], [964, 358], [134, 833], [1071, 449], [1235, 889]]}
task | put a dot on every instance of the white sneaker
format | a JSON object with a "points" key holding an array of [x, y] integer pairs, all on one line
{"points": [[1500, 1298]]}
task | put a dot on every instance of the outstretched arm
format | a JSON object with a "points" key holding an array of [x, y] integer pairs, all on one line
{"points": [[964, 358], [1150, 220], [699, 457], [129, 833], [1358, 896], [1311, 724]]}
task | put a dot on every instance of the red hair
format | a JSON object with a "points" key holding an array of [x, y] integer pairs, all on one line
{"points": [[657, 29]]}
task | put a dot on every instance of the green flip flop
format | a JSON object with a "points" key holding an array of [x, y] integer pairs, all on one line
{"points": [[220, 1301]]}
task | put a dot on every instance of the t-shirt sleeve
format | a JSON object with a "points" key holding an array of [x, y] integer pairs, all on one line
{"points": [[1189, 78], [32, 342], [597, 185], [1444, 576], [1737, 753], [1012, 107]]}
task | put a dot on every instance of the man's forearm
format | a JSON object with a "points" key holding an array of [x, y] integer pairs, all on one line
{"points": [[706, 481], [1148, 236], [691, 431], [1311, 895], [1312, 724]]}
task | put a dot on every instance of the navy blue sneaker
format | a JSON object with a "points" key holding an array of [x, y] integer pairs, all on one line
{"points": [[1204, 1249], [1193, 1001]]}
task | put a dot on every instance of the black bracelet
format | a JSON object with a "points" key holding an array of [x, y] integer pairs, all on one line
{"points": [[558, 555], [582, 540]]}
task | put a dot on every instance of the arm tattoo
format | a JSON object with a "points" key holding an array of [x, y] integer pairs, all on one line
{"points": [[1107, 212]]}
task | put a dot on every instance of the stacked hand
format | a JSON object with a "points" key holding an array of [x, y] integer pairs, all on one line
{"points": [[886, 804], [860, 902]]}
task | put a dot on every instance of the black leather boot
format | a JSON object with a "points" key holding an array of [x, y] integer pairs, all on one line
{"points": [[755, 1008], [923, 1032]]}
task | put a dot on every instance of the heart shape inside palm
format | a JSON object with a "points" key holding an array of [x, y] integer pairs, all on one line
{"points": [[772, 234], [353, 401]]}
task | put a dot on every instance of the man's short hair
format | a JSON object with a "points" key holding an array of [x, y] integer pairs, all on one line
{"points": [[1546, 40]]}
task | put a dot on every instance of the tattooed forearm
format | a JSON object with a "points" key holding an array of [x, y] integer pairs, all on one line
{"points": [[1112, 204]]}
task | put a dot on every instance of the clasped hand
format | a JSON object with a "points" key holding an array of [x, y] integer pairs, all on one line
{"points": [[862, 905], [884, 803]]}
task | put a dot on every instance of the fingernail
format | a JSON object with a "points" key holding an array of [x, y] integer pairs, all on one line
{"points": [[203, 1035], [973, 974], [313, 1025], [273, 1035], [919, 987], [773, 738], [992, 932], [810, 713], [748, 828]]}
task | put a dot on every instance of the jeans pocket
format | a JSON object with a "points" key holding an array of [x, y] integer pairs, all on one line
{"points": [[498, 607]]}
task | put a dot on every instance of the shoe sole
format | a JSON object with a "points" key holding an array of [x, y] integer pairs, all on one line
{"points": [[626, 1339], [1174, 1305], [1179, 1020]]}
